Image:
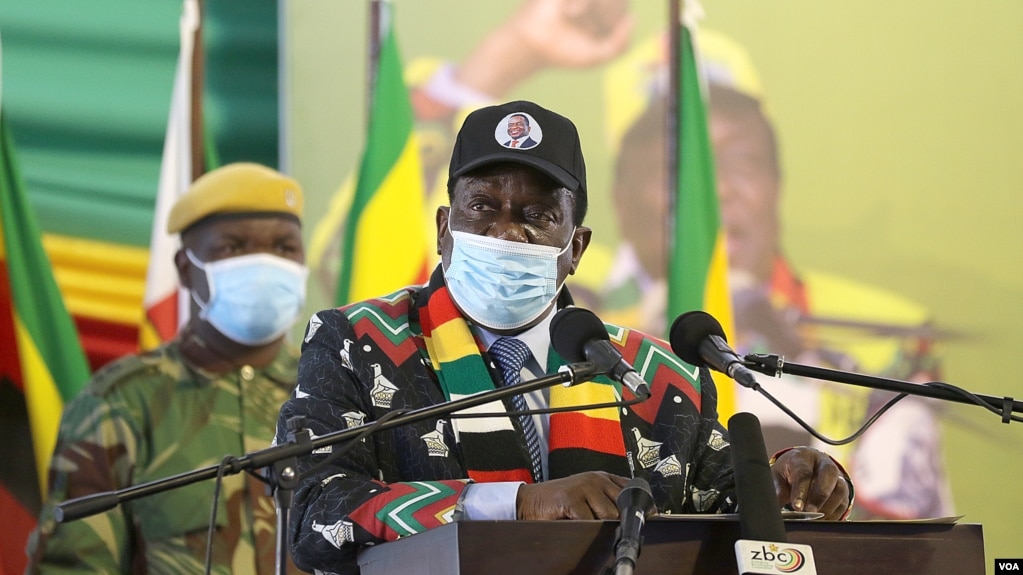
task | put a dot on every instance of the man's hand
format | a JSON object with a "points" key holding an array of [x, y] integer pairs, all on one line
{"points": [[808, 480], [573, 33], [589, 495], [546, 33]]}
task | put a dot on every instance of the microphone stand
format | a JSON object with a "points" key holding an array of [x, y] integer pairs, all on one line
{"points": [[775, 365], [281, 460]]}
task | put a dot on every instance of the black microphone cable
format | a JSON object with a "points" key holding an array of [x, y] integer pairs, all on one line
{"points": [[567, 408], [1005, 412]]}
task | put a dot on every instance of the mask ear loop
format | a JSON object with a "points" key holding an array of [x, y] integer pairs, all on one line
{"points": [[195, 259], [557, 291], [571, 238], [443, 268], [203, 306]]}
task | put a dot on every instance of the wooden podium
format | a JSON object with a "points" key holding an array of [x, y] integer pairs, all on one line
{"points": [[674, 546]]}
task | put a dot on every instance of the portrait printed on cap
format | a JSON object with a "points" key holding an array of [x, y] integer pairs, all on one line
{"points": [[518, 131]]}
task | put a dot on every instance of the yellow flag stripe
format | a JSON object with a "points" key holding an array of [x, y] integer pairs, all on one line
{"points": [[390, 245], [717, 302], [42, 400], [148, 336], [98, 279]]}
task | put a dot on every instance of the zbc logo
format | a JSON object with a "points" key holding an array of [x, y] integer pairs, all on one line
{"points": [[786, 560]]}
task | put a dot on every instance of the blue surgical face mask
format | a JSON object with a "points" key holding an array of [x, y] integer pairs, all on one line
{"points": [[254, 299], [502, 284]]}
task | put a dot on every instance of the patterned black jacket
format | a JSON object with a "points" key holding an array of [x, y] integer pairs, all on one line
{"points": [[364, 360]]}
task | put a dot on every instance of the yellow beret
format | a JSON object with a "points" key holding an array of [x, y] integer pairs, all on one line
{"points": [[236, 188]]}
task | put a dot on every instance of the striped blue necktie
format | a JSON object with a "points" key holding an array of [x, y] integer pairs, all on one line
{"points": [[511, 354]]}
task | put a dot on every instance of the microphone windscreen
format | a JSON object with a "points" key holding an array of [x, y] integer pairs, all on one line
{"points": [[572, 328], [636, 495], [759, 512], [689, 331]]}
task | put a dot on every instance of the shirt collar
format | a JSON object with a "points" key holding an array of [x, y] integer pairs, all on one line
{"points": [[538, 338]]}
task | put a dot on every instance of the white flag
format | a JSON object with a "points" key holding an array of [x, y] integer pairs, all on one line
{"points": [[166, 304]]}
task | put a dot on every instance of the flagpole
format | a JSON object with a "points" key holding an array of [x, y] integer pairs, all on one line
{"points": [[166, 305], [197, 83], [375, 12], [674, 100]]}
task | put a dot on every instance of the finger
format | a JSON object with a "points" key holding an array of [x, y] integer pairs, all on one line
{"points": [[603, 507], [619, 481], [825, 481], [838, 501], [798, 472], [589, 495], [581, 509], [781, 486], [603, 499], [833, 507]]}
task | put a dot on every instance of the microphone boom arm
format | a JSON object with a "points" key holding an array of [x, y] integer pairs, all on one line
{"points": [[775, 365], [87, 505]]}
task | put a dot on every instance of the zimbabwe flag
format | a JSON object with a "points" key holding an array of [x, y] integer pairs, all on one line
{"points": [[698, 269], [42, 364], [384, 246]]}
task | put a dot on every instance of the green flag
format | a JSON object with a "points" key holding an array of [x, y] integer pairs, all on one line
{"points": [[385, 243], [698, 267], [43, 364]]}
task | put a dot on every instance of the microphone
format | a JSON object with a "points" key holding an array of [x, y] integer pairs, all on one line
{"points": [[762, 546], [759, 513], [577, 334], [699, 340], [635, 503]]}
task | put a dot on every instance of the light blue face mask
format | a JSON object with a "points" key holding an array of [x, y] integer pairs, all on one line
{"points": [[502, 284], [254, 299]]}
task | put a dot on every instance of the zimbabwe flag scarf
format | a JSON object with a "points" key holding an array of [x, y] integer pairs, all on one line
{"points": [[492, 447]]}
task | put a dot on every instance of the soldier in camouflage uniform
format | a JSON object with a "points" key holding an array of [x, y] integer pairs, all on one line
{"points": [[214, 390]]}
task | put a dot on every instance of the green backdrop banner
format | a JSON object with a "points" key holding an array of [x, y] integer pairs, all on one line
{"points": [[87, 87], [897, 128]]}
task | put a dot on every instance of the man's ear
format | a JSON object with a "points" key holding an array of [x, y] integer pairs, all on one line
{"points": [[580, 241], [442, 224], [181, 262]]}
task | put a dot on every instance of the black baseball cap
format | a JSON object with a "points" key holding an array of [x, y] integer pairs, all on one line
{"points": [[550, 145]]}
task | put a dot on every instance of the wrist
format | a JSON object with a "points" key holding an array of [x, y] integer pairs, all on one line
{"points": [[494, 501], [445, 89]]}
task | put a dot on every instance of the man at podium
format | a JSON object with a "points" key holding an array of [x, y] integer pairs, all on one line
{"points": [[511, 236]]}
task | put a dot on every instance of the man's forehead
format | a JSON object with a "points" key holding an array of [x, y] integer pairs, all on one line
{"points": [[490, 176]]}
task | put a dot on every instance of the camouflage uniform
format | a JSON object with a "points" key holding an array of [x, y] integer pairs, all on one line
{"points": [[148, 417]]}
